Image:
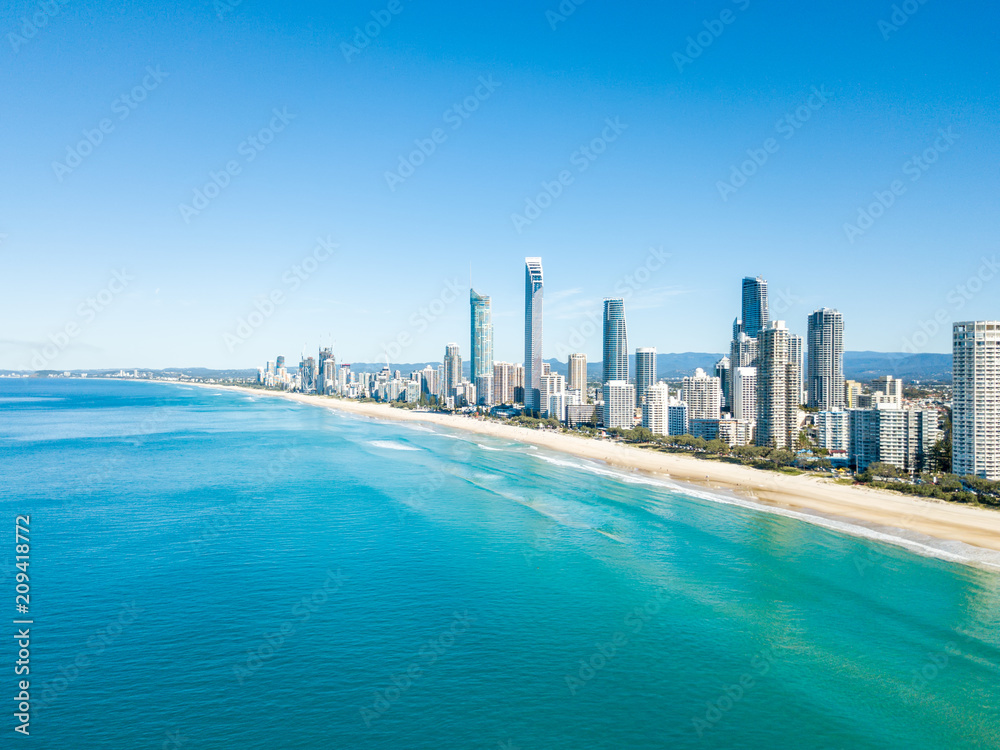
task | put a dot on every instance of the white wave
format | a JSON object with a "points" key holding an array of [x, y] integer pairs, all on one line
{"points": [[916, 542], [391, 445], [488, 448]]}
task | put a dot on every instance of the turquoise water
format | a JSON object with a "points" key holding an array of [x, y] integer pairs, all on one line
{"points": [[245, 572]]}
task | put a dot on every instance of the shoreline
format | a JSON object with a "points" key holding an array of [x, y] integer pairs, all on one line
{"points": [[844, 508]]}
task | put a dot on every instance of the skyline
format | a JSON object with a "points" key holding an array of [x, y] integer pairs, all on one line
{"points": [[816, 113]]}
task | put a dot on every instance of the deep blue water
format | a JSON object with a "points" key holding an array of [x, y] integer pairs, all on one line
{"points": [[211, 570]]}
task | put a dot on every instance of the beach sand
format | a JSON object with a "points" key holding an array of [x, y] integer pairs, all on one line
{"points": [[814, 496]]}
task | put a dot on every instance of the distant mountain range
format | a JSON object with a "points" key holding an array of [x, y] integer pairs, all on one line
{"points": [[862, 366]]}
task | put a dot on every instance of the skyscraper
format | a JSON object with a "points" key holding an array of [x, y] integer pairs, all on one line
{"points": [[778, 386], [645, 372], [615, 340], [825, 378], [619, 404], [976, 406], [533, 288], [578, 374], [452, 369], [481, 351], [755, 313], [703, 395]]}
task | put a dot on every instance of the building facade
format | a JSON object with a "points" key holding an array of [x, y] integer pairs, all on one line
{"points": [[976, 405], [825, 370], [533, 290], [703, 395], [619, 405], [645, 372], [615, 341]]}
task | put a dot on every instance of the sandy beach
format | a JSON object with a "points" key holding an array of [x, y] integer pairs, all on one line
{"points": [[815, 497]]}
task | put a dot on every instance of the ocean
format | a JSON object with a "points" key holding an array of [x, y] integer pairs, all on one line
{"points": [[210, 569]]}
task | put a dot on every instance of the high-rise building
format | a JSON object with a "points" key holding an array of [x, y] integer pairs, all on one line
{"points": [[852, 389], [825, 378], [481, 350], [677, 418], [779, 385], [615, 341], [890, 435], [703, 395], [742, 353], [452, 369], [795, 357], [307, 374], [833, 430], [552, 384], [891, 389], [533, 289], [722, 368], [745, 394], [976, 404], [755, 312], [645, 372], [503, 383], [578, 373], [619, 404], [654, 409], [518, 383]]}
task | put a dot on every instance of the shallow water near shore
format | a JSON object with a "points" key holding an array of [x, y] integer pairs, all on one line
{"points": [[301, 578]]}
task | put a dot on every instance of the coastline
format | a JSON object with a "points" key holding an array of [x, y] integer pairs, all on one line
{"points": [[850, 509]]}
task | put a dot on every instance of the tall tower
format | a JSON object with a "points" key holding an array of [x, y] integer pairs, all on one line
{"points": [[645, 372], [825, 378], [779, 381], [533, 288], [615, 340], [481, 351], [452, 368], [755, 314], [976, 407], [578, 374]]}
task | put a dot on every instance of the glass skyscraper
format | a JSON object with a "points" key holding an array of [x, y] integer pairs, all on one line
{"points": [[615, 340], [481, 351], [533, 288], [755, 314]]}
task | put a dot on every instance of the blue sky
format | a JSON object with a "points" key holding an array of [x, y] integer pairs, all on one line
{"points": [[220, 72]]}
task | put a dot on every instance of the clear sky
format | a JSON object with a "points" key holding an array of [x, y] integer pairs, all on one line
{"points": [[847, 102]]}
